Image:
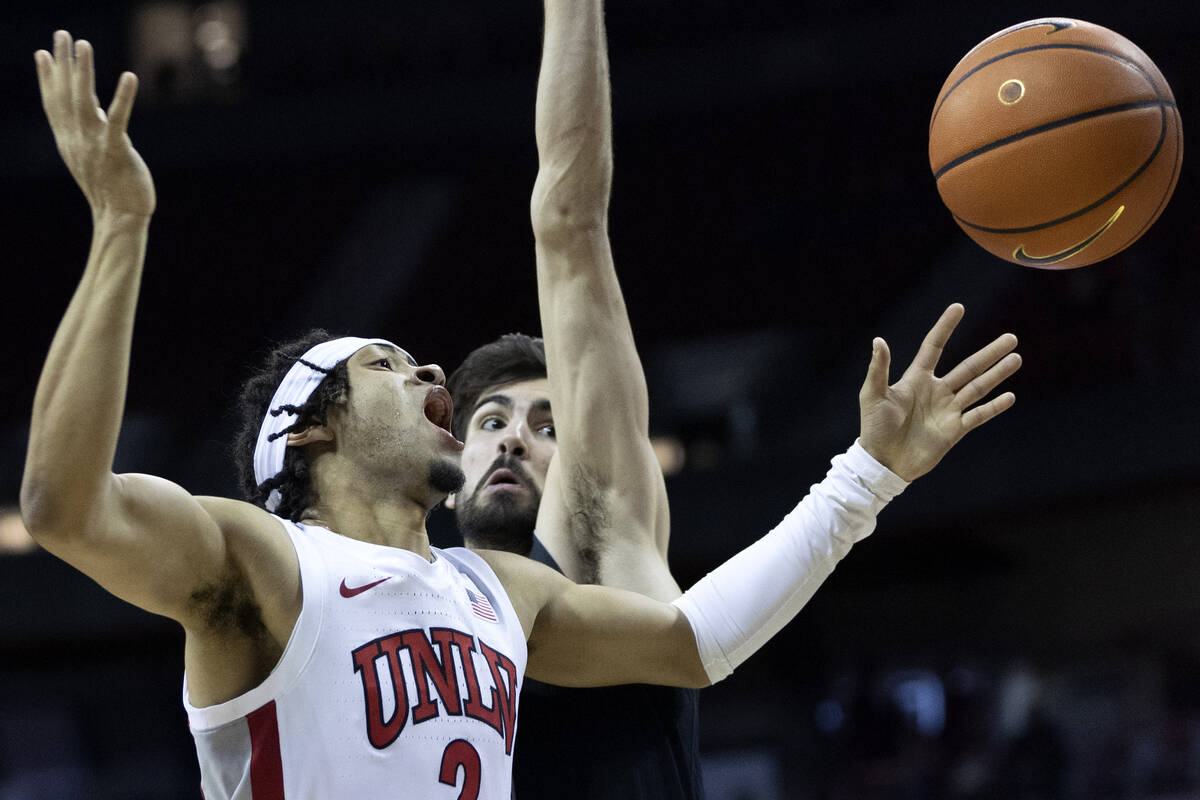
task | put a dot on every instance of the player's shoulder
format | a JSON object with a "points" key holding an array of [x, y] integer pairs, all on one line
{"points": [[509, 565], [481, 570], [528, 584], [240, 516], [251, 533]]}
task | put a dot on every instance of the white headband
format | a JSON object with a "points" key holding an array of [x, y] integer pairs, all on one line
{"points": [[297, 386]]}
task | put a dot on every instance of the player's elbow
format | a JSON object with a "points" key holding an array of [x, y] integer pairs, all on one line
{"points": [[562, 215], [560, 225], [48, 515], [687, 662], [37, 508]]}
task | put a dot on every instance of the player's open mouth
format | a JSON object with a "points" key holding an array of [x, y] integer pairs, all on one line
{"points": [[439, 408], [504, 477]]}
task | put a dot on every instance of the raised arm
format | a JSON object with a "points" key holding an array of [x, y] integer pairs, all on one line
{"points": [[605, 493], [142, 538], [590, 635]]}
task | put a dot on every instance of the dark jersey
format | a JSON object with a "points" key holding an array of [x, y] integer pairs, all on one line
{"points": [[634, 742]]}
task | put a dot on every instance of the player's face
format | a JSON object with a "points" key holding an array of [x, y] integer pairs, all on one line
{"points": [[396, 420], [508, 446]]}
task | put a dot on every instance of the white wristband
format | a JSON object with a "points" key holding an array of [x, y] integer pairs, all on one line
{"points": [[741, 604]]}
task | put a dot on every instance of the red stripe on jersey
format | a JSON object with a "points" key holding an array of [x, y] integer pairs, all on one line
{"points": [[266, 765]]}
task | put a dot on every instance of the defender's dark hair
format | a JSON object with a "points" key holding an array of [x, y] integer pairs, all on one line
{"points": [[293, 482], [511, 358]]}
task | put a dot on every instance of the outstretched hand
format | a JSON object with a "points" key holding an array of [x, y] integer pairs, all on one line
{"points": [[910, 425], [93, 143]]}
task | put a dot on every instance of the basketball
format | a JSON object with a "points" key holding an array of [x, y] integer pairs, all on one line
{"points": [[1055, 143]]}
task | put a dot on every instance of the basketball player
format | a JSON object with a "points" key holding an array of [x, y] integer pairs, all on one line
{"points": [[636, 742], [329, 650]]}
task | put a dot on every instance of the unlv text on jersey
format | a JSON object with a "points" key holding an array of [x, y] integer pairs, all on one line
{"points": [[451, 667]]}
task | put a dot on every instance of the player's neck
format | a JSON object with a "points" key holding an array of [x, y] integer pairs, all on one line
{"points": [[385, 524], [361, 511]]}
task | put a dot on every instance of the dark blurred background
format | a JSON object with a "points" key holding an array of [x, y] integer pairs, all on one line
{"points": [[1024, 623]]}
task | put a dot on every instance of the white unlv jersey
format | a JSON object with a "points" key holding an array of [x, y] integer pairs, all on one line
{"points": [[400, 680]]}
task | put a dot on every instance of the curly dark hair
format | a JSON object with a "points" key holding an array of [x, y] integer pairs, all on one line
{"points": [[293, 482], [511, 358]]}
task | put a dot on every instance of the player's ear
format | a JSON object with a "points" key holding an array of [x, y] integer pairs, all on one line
{"points": [[449, 502], [313, 433]]}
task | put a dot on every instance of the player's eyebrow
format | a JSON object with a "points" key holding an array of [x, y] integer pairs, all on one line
{"points": [[500, 399], [506, 401], [412, 362], [542, 405]]}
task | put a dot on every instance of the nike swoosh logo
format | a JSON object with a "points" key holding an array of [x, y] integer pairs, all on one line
{"points": [[1062, 255], [346, 591]]}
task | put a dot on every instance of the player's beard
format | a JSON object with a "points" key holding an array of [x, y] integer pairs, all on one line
{"points": [[502, 521], [446, 477]]}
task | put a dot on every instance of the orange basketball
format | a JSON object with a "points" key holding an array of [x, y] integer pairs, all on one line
{"points": [[1055, 143]]}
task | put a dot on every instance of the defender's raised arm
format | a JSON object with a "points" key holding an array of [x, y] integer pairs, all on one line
{"points": [[604, 465]]}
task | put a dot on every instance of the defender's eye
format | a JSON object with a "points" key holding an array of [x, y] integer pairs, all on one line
{"points": [[492, 424]]}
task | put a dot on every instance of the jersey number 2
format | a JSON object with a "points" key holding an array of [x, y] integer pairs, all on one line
{"points": [[460, 753]]}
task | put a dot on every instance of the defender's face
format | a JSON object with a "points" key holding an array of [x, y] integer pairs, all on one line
{"points": [[508, 445]]}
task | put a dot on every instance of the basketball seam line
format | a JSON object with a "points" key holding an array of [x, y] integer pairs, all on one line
{"points": [[1166, 196], [1049, 126], [1162, 136], [1032, 48], [1058, 24]]}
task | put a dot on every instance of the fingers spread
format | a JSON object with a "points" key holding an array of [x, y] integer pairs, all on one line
{"points": [[979, 388], [979, 362], [981, 414], [935, 340], [122, 104]]}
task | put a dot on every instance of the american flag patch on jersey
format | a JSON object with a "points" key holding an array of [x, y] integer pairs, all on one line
{"points": [[481, 606]]}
